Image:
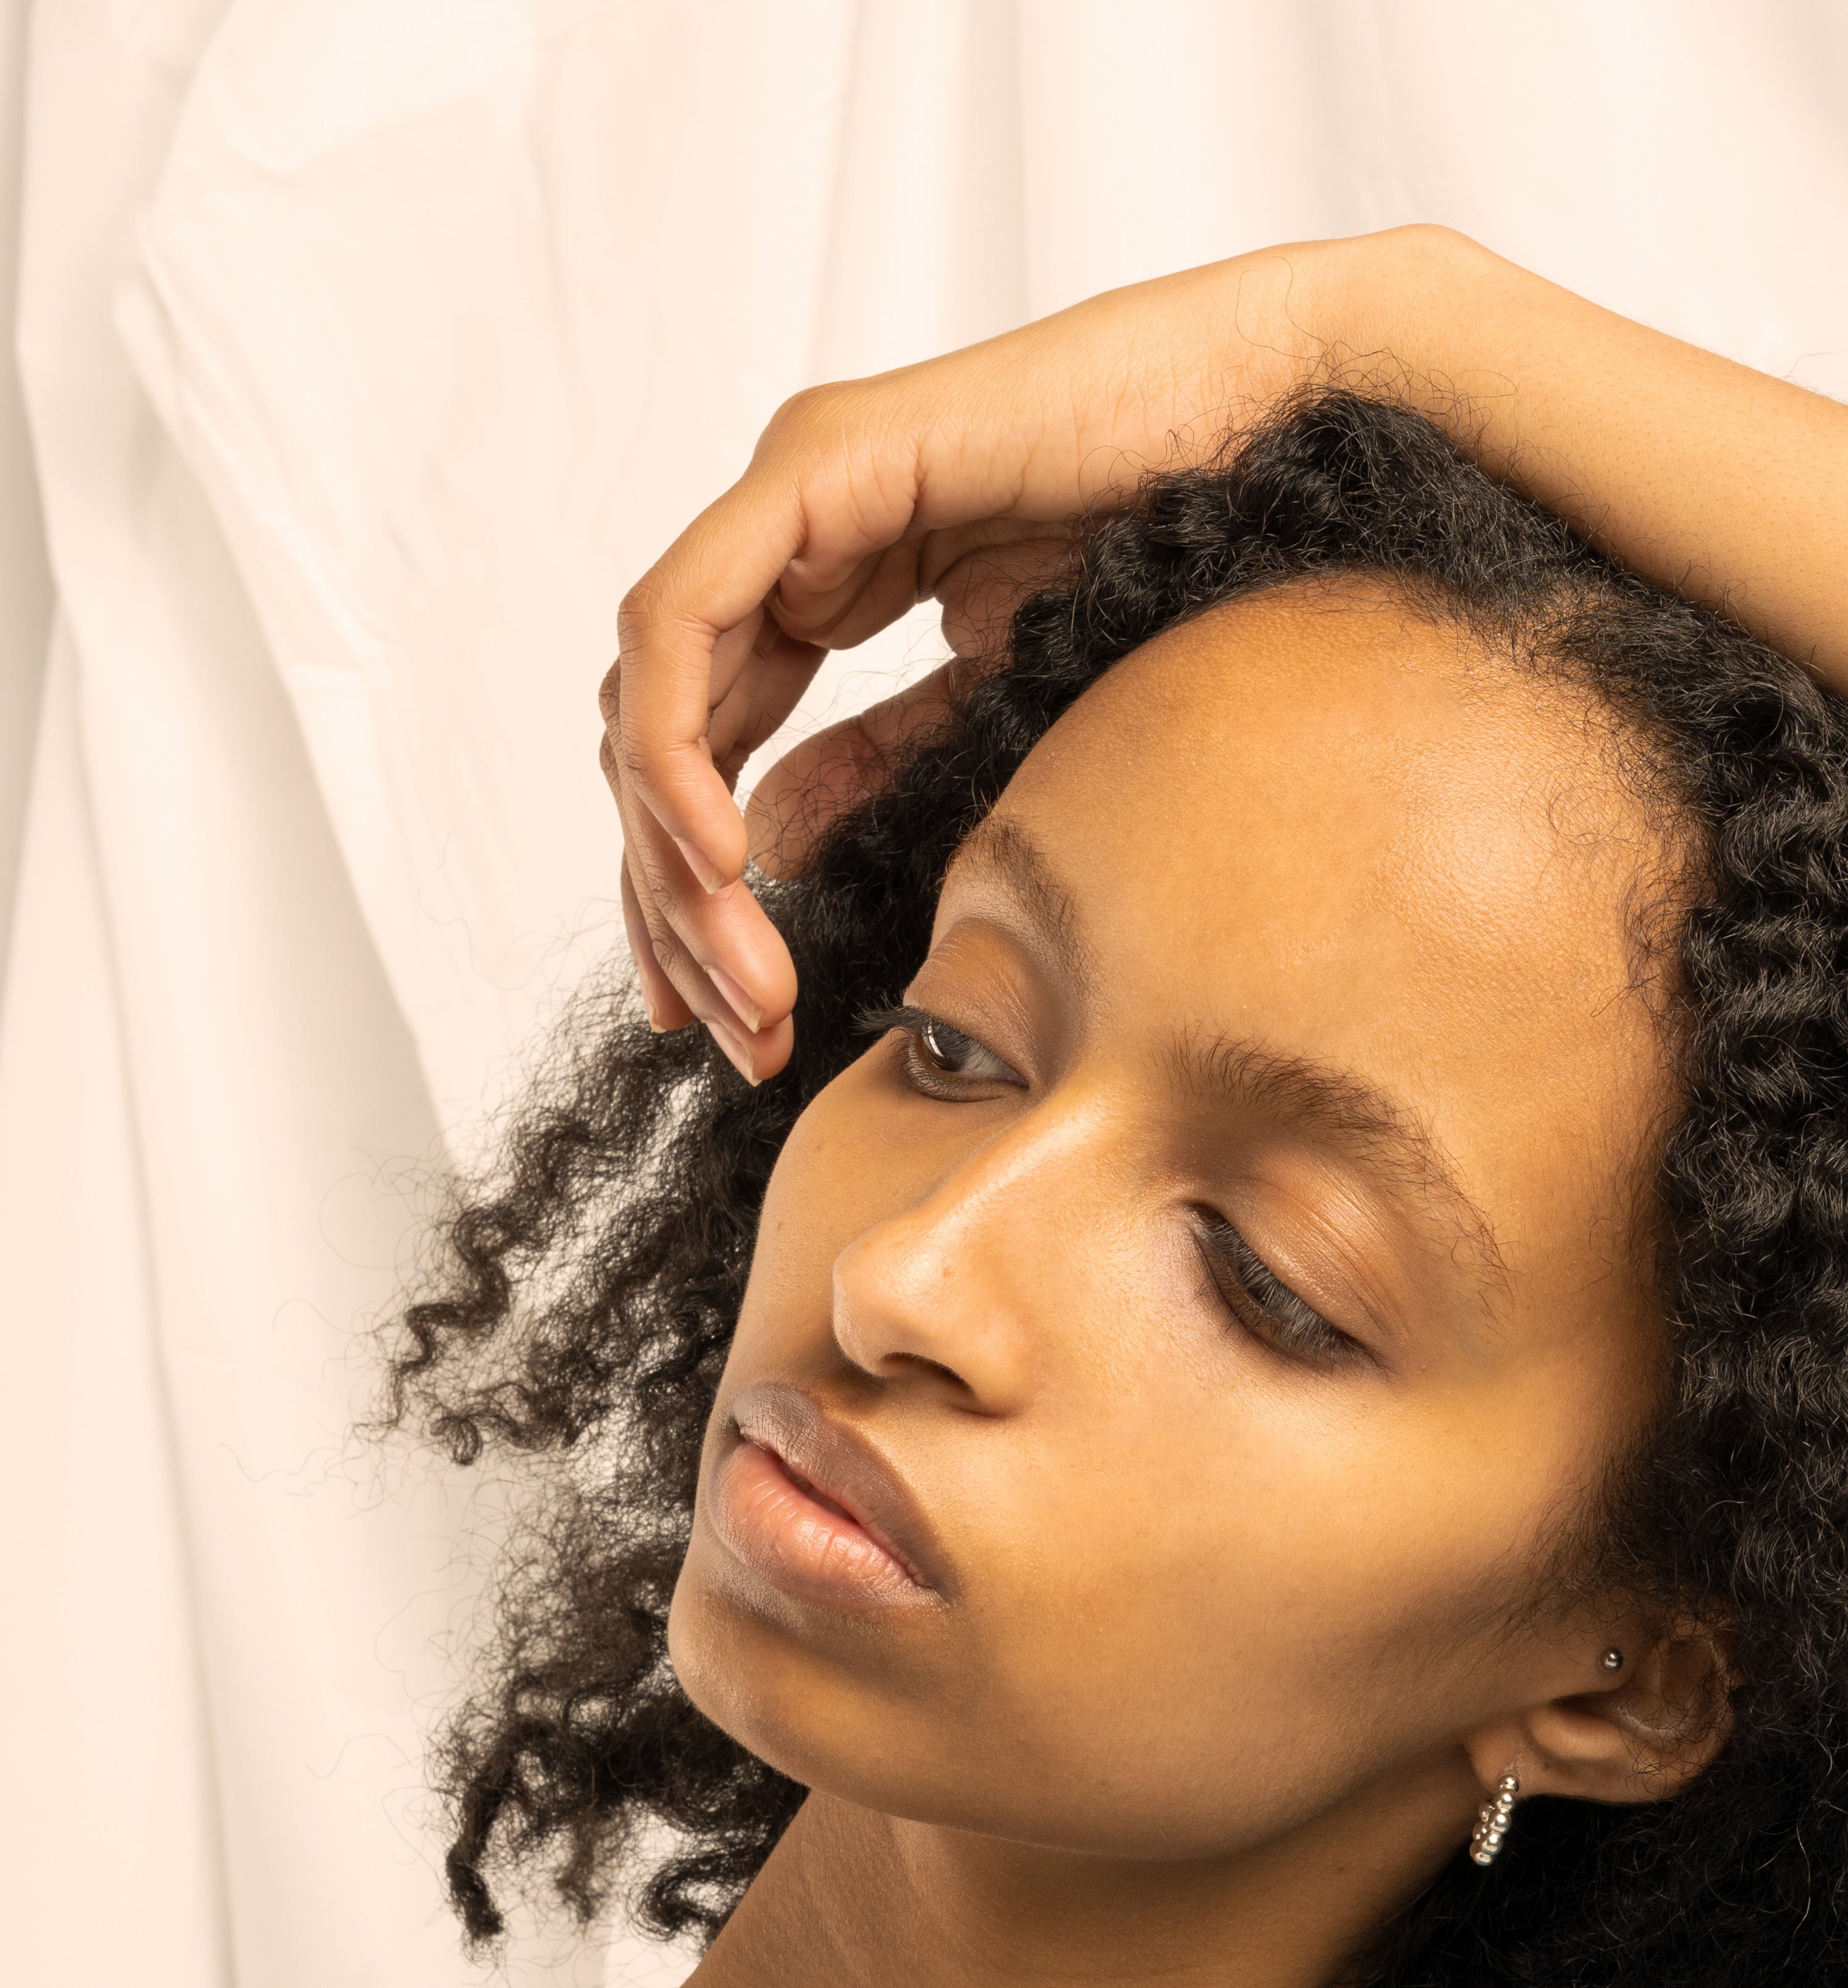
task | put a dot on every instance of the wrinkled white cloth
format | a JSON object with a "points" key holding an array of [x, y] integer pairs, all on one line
{"points": [[370, 348]]}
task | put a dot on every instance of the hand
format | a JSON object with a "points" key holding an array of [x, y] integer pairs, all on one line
{"points": [[943, 479], [954, 479]]}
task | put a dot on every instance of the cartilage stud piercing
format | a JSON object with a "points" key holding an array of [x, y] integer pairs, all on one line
{"points": [[1611, 1660], [1491, 1824]]}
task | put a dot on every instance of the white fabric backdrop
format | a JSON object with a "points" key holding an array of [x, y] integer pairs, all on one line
{"points": [[369, 348], [24, 581]]}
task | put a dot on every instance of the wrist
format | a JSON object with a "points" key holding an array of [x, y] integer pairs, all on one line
{"points": [[1399, 301], [1370, 308]]}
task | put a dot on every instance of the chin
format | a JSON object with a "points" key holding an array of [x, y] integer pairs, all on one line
{"points": [[814, 1715], [888, 1736], [761, 1683]]}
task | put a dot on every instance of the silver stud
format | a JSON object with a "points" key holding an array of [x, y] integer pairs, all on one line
{"points": [[1611, 1660]]}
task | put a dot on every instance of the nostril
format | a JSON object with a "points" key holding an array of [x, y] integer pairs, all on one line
{"points": [[899, 1362], [898, 1317]]}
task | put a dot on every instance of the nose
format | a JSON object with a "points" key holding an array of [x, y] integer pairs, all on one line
{"points": [[959, 1284]]}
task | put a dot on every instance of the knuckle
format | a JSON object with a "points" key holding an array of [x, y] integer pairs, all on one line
{"points": [[629, 757], [609, 694], [654, 890], [663, 946], [812, 407], [642, 608]]}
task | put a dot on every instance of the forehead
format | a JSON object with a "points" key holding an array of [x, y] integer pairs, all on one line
{"points": [[1328, 826]]}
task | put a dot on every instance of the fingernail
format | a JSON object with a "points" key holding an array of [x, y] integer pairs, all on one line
{"points": [[700, 864], [742, 1005], [739, 1056], [660, 1027]]}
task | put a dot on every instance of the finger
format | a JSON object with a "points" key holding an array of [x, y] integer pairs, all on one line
{"points": [[657, 699], [811, 787], [725, 959], [707, 996], [667, 1011], [760, 700], [716, 956], [891, 583], [755, 1057], [825, 524], [981, 575], [1009, 544], [846, 479], [735, 653], [843, 613], [806, 493], [877, 466], [756, 1052]]}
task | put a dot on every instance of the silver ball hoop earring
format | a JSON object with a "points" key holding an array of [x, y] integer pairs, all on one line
{"points": [[1491, 1824]]}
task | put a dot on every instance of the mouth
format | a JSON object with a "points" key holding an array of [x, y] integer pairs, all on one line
{"points": [[815, 1509]]}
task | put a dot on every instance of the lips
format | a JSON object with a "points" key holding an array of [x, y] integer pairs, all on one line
{"points": [[812, 1507]]}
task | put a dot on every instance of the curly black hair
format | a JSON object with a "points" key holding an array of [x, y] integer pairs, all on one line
{"points": [[586, 1296]]}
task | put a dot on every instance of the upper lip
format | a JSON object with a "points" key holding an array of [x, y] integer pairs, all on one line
{"points": [[845, 1466]]}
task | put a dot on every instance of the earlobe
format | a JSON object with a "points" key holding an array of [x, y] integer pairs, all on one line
{"points": [[1665, 1716]]}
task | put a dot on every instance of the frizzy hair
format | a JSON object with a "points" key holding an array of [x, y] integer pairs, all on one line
{"points": [[586, 1296]]}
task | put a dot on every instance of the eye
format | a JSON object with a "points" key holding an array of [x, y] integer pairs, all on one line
{"points": [[940, 1060], [1266, 1307]]}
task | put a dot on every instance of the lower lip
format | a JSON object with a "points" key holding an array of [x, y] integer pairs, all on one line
{"points": [[782, 1531]]}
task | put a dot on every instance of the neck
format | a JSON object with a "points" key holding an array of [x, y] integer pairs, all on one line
{"points": [[859, 1900]]}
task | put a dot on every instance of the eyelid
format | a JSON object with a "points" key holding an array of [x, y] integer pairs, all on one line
{"points": [[902, 1015], [1347, 1350], [915, 1021]]}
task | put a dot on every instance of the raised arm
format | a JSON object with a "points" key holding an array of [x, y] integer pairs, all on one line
{"points": [[1707, 477], [864, 497]]}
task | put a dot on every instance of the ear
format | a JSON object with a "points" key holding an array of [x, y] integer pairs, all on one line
{"points": [[1642, 1738]]}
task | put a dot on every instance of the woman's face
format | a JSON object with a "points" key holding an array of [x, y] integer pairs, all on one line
{"points": [[1173, 1358]]}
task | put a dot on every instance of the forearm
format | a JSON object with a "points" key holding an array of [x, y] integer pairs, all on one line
{"points": [[865, 496], [1704, 475]]}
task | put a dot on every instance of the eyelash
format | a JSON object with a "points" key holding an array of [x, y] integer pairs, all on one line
{"points": [[1266, 1307], [1245, 1284], [928, 1036]]}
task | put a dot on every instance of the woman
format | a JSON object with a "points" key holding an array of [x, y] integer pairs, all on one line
{"points": [[1315, 1326]]}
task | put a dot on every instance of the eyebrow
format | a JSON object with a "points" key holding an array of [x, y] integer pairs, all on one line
{"points": [[1375, 1127], [1006, 849]]}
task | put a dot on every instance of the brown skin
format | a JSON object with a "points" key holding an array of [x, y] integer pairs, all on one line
{"points": [[867, 495], [1239, 1635]]}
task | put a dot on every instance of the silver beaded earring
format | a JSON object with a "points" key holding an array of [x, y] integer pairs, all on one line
{"points": [[1491, 1824], [1611, 1660]]}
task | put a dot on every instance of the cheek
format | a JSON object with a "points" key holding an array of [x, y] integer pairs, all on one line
{"points": [[1219, 1596], [840, 1170], [1204, 1595], [1220, 1623], [1160, 1645]]}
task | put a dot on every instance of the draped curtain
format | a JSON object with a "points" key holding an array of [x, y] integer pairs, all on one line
{"points": [[366, 350]]}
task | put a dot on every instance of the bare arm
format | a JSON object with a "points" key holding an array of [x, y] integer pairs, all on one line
{"points": [[864, 497], [1704, 475]]}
